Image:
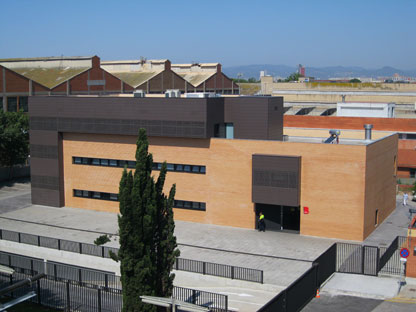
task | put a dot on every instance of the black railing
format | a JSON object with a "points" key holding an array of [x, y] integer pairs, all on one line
{"points": [[222, 270], [202, 267], [72, 288]]}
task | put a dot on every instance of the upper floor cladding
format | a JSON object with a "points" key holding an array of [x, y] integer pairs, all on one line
{"points": [[258, 118]]}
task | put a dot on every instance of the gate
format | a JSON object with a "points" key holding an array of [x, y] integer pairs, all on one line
{"points": [[357, 259]]}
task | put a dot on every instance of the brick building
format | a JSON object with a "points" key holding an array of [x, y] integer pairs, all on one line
{"points": [[226, 155], [20, 78]]}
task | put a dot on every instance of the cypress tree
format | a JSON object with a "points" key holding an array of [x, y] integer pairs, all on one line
{"points": [[147, 244]]}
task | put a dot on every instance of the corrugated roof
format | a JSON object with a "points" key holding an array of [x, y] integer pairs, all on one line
{"points": [[137, 78], [50, 77], [47, 58], [133, 62], [196, 78]]}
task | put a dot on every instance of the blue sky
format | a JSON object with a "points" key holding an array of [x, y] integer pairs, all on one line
{"points": [[367, 33]]}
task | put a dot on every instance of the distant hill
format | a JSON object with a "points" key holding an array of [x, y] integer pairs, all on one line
{"points": [[249, 71]]}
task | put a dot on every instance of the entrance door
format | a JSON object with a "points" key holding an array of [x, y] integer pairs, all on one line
{"points": [[279, 218]]}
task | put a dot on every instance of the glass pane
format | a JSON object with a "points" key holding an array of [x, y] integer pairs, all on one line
{"points": [[114, 197], [159, 166], [187, 204], [113, 163], [96, 195], [202, 169], [195, 168], [85, 160], [85, 194], [12, 104], [179, 168], [78, 193], [23, 103], [202, 206], [131, 164], [77, 160], [170, 167], [195, 205], [187, 168], [122, 163], [104, 162], [96, 161]]}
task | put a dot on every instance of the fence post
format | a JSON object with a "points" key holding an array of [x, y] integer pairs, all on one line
{"points": [[362, 259], [261, 276], [11, 282], [18, 235], [1, 234], [54, 272], [99, 299], [80, 275], [38, 291], [80, 248], [59, 244], [68, 298], [38, 241], [31, 267], [193, 296], [102, 251], [378, 261], [106, 281], [204, 267], [232, 272], [10, 260]]}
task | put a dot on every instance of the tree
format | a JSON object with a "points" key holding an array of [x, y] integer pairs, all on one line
{"points": [[14, 139], [293, 77], [355, 80], [148, 247]]}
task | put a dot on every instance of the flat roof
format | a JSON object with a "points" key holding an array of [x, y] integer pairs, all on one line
{"points": [[342, 141]]}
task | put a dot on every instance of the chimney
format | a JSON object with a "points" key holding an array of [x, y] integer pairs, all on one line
{"points": [[368, 128]]}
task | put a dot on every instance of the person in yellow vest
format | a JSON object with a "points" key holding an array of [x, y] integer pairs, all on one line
{"points": [[262, 223]]}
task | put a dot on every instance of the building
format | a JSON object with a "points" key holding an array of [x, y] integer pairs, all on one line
{"points": [[206, 77], [227, 156], [301, 70], [151, 76], [23, 77], [313, 126]]}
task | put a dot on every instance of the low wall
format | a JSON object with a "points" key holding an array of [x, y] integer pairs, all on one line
{"points": [[18, 172]]}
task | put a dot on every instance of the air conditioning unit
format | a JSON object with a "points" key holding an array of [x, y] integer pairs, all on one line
{"points": [[201, 95], [139, 93], [172, 93]]}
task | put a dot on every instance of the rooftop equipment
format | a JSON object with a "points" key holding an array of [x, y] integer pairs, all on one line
{"points": [[139, 93], [368, 128], [172, 93], [334, 135], [201, 95]]}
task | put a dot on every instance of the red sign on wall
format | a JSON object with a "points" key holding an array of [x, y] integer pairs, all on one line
{"points": [[306, 210]]}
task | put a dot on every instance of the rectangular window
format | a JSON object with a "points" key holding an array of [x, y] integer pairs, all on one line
{"points": [[184, 204], [170, 167], [195, 169], [159, 166], [187, 168], [96, 161], [187, 204], [113, 197], [77, 160], [12, 104], [195, 205], [179, 168], [202, 169], [122, 163], [23, 103], [104, 162], [85, 194], [376, 218], [96, 195], [229, 131], [131, 164], [113, 163], [85, 161], [77, 193]]}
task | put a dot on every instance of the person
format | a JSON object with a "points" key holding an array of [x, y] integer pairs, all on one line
{"points": [[262, 223], [405, 197]]}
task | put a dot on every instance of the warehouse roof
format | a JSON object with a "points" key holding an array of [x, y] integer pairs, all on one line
{"points": [[196, 78], [50, 77], [47, 58], [136, 78]]}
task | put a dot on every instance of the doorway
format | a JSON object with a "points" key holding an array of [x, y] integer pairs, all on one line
{"points": [[279, 218]]}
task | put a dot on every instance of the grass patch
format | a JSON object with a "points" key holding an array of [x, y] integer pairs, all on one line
{"points": [[249, 88]]}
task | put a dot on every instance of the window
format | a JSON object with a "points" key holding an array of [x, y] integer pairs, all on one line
{"points": [[85, 194], [96, 195], [23, 103], [187, 168], [195, 169], [113, 197], [229, 130], [104, 162], [122, 163], [412, 173], [202, 169], [85, 161], [159, 166], [376, 218], [185, 204], [12, 104], [170, 167], [113, 163], [77, 193], [131, 164], [77, 160], [96, 161]]}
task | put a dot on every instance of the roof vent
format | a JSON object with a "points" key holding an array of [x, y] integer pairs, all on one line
{"points": [[368, 128], [201, 95], [172, 93]]}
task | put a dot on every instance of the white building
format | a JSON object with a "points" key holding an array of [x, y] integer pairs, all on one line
{"points": [[365, 109]]}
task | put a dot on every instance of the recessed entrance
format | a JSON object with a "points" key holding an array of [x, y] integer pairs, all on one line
{"points": [[279, 218]]}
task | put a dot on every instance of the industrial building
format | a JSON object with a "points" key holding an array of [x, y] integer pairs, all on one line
{"points": [[23, 77], [228, 158]]}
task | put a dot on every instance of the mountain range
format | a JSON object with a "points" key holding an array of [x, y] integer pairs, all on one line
{"points": [[283, 71]]}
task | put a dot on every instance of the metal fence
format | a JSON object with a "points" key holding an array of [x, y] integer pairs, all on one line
{"points": [[228, 271], [73, 288], [195, 266], [357, 259]]}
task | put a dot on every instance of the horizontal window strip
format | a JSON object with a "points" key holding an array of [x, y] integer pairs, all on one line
{"points": [[95, 195], [104, 162], [185, 204], [182, 204]]}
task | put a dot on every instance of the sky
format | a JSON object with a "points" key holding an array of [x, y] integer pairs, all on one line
{"points": [[318, 33]]}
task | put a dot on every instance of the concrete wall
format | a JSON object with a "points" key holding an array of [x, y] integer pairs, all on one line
{"points": [[333, 179]]}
